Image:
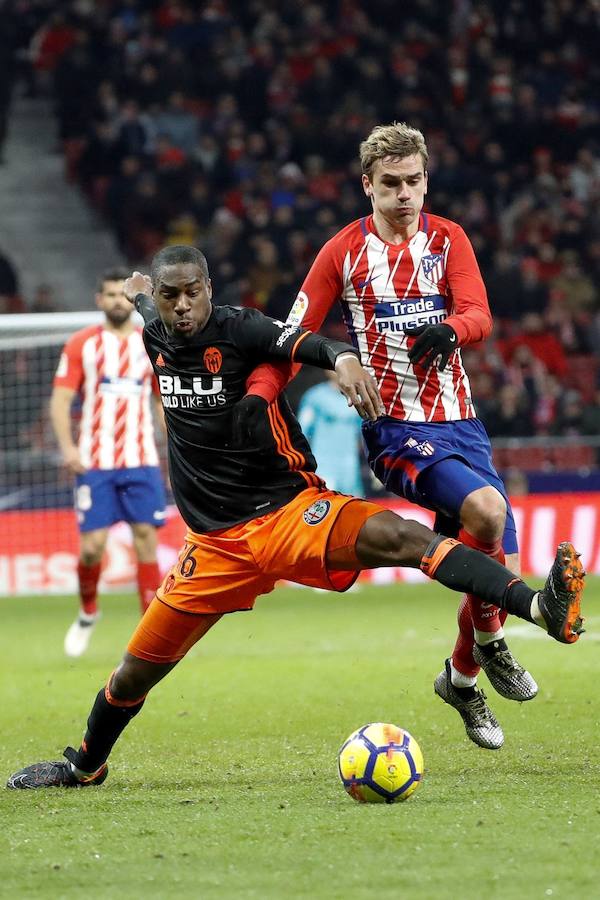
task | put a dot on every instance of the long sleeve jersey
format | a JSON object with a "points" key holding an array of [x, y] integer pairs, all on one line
{"points": [[216, 483], [383, 290]]}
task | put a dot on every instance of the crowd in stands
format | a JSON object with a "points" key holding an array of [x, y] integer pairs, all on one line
{"points": [[235, 126]]}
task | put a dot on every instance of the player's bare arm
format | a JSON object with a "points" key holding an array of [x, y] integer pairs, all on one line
{"points": [[60, 416]]}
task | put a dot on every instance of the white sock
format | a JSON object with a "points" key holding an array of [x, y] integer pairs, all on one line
{"points": [[488, 637], [536, 614], [459, 680], [88, 618]]}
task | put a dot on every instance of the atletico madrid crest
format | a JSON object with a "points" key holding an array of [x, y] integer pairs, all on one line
{"points": [[433, 267]]}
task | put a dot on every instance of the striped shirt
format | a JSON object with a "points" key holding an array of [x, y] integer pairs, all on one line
{"points": [[114, 377], [386, 288]]}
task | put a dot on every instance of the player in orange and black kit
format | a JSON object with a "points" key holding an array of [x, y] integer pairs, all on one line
{"points": [[258, 513]]}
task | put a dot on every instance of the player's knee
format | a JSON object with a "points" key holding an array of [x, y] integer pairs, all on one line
{"points": [[483, 514], [145, 541], [129, 681], [144, 531], [396, 541], [91, 553]]}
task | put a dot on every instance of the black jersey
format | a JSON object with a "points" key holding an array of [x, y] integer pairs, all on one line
{"points": [[216, 484]]}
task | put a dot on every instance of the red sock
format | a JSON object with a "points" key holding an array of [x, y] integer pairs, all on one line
{"points": [[474, 612], [89, 577], [148, 579], [462, 655]]}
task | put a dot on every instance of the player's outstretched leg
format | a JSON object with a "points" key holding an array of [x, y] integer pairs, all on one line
{"points": [[556, 608], [386, 539]]}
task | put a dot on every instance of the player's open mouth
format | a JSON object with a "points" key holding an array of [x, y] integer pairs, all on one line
{"points": [[184, 325]]}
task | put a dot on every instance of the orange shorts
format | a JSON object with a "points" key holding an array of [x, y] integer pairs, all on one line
{"points": [[164, 634], [225, 571]]}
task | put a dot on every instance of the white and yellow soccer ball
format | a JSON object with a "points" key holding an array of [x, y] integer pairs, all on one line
{"points": [[380, 763]]}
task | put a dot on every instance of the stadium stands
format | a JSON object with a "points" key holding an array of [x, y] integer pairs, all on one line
{"points": [[236, 126]]}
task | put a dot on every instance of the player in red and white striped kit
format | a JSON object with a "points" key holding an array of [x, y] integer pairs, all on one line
{"points": [[412, 295], [115, 460]]}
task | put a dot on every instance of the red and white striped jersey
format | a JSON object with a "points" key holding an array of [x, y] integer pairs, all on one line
{"points": [[384, 289], [115, 380]]}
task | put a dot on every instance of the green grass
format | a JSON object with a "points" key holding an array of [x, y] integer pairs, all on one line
{"points": [[226, 785]]}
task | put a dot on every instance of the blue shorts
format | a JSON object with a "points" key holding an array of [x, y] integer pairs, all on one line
{"points": [[400, 452], [106, 496]]}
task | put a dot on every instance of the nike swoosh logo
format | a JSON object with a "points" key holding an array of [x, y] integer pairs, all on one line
{"points": [[364, 284], [453, 339]]}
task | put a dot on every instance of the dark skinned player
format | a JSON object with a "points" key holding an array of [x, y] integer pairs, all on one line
{"points": [[258, 513]]}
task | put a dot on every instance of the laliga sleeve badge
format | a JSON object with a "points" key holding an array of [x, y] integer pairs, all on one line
{"points": [[316, 512], [296, 314]]}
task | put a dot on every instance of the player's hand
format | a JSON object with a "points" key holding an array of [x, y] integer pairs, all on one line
{"points": [[250, 426], [432, 341], [72, 461], [137, 284], [358, 387]]}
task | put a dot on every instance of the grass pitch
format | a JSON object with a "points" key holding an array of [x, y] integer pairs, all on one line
{"points": [[225, 786]]}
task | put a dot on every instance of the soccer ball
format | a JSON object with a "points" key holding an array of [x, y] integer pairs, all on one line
{"points": [[380, 763]]}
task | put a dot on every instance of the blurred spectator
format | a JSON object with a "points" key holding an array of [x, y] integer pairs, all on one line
{"points": [[504, 284], [515, 482], [10, 299], [177, 123], [257, 146], [590, 417], [43, 300], [8, 35], [573, 285], [9, 285], [569, 418], [533, 297], [509, 415], [542, 343], [547, 401], [333, 430]]}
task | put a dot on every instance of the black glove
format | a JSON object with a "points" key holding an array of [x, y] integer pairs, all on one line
{"points": [[432, 341], [250, 426]]}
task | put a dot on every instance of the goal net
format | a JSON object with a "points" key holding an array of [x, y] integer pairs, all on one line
{"points": [[39, 540]]}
